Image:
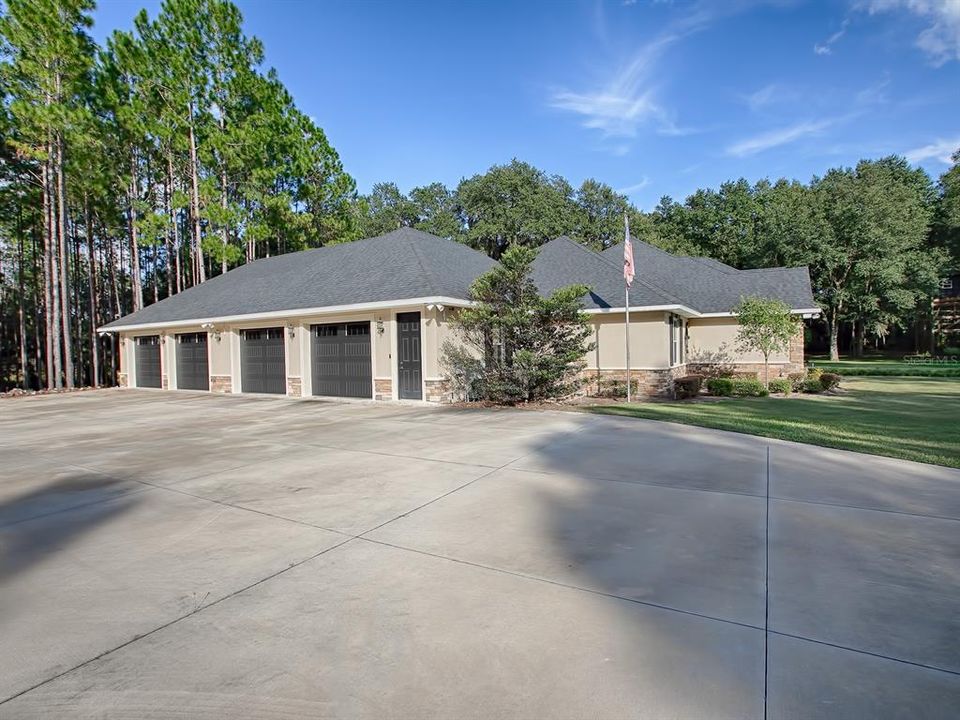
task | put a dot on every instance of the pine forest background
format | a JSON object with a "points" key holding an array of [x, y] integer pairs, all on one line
{"points": [[133, 171]]}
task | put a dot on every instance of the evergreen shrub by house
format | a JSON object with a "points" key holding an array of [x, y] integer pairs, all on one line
{"points": [[781, 385], [749, 387], [828, 381], [687, 386], [721, 386]]}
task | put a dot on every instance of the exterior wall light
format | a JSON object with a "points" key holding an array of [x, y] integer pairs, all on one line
{"points": [[291, 332], [379, 326], [210, 328]]}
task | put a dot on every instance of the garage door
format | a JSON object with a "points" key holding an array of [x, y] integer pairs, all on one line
{"points": [[193, 372], [148, 361], [341, 360], [263, 367]]}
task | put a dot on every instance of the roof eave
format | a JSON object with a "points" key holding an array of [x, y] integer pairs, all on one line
{"points": [[436, 300]]}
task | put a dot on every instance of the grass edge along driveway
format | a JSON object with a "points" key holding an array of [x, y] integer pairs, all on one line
{"points": [[909, 418]]}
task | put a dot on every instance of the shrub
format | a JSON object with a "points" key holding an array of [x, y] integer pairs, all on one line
{"points": [[812, 386], [796, 381], [814, 373], [687, 386], [749, 387], [781, 385], [828, 381], [616, 388], [721, 387], [951, 351]]}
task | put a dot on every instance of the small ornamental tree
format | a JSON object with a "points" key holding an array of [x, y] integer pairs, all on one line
{"points": [[517, 346], [766, 326]]}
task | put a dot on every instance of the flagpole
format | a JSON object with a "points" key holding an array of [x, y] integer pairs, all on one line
{"points": [[627, 279], [627, 336]]}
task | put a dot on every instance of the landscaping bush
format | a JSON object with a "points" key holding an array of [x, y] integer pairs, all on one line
{"points": [[828, 381], [951, 351], [749, 387], [721, 386], [797, 380], [616, 388], [781, 385], [812, 386], [687, 386], [814, 373]]}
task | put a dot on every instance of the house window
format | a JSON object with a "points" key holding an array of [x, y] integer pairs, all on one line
{"points": [[676, 339]]}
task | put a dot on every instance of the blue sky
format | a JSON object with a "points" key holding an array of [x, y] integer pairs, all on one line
{"points": [[653, 97]]}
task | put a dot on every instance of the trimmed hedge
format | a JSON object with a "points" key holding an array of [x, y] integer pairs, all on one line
{"points": [[687, 386], [721, 386], [749, 387], [781, 385], [828, 381], [811, 385], [740, 387]]}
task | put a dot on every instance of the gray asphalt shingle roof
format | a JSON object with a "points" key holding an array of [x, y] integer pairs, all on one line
{"points": [[402, 264], [709, 286], [407, 264]]}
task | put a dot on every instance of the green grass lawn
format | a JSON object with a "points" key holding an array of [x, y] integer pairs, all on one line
{"points": [[910, 418], [881, 366]]}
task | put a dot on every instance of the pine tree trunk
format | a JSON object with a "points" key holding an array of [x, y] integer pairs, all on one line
{"points": [[223, 205], [134, 240], [21, 323], [55, 377], [200, 271], [92, 288], [64, 253], [167, 236]]}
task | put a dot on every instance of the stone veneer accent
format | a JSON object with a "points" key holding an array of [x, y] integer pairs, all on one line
{"points": [[795, 351], [121, 379], [294, 387], [383, 389], [221, 384], [652, 383], [437, 391]]}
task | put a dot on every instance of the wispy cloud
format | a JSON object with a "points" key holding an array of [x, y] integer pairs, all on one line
{"points": [[940, 40], [626, 102], [775, 138], [772, 94], [939, 149], [630, 189], [826, 47]]}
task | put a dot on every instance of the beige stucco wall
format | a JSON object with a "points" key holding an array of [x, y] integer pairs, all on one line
{"points": [[649, 341], [713, 338]]}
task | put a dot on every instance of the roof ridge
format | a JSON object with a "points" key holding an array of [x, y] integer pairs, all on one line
{"points": [[613, 265], [420, 261]]}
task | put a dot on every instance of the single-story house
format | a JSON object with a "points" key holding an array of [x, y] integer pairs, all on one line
{"points": [[367, 319]]}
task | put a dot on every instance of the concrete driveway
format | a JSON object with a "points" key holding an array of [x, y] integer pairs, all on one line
{"points": [[188, 555]]}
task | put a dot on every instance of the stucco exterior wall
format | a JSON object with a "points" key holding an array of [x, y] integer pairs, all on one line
{"points": [[649, 341], [711, 339]]}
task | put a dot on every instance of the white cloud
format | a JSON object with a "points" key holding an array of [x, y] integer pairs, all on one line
{"points": [[941, 150], [941, 38], [775, 138], [627, 101], [826, 47], [630, 189]]}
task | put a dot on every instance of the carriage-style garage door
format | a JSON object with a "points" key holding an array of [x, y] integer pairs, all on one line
{"points": [[341, 360], [263, 367], [148, 361], [192, 366]]}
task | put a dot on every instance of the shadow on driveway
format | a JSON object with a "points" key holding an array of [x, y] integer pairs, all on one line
{"points": [[82, 502]]}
